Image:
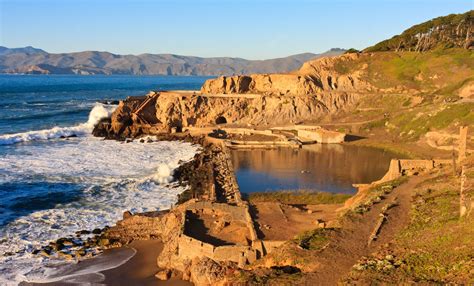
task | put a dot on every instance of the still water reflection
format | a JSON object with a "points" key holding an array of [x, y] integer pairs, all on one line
{"points": [[329, 168]]}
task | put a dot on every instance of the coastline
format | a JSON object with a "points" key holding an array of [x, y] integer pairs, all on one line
{"points": [[211, 233], [133, 264]]}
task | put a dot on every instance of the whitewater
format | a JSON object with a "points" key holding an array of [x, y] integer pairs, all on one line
{"points": [[57, 180]]}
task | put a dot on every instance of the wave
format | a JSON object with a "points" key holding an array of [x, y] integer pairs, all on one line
{"points": [[47, 114], [88, 183], [98, 112]]}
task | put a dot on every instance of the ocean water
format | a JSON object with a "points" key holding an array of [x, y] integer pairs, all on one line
{"points": [[51, 187]]}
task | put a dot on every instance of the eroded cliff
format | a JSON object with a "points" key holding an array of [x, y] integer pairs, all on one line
{"points": [[314, 77]]}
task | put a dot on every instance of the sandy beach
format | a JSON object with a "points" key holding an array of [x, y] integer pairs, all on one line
{"points": [[134, 264]]}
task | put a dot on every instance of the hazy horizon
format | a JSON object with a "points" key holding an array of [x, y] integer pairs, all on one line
{"points": [[335, 48], [244, 29]]}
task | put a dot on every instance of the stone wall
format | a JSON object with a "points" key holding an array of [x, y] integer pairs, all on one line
{"points": [[321, 136], [400, 167], [190, 248]]}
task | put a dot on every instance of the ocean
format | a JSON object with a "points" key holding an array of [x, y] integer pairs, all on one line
{"points": [[51, 186]]}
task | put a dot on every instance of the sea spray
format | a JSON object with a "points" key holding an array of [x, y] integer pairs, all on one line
{"points": [[50, 189], [98, 112]]}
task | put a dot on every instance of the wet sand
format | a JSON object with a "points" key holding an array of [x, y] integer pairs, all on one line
{"points": [[141, 268], [134, 264]]}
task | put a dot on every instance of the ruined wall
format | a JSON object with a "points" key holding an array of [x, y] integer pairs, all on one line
{"points": [[190, 248], [233, 212], [322, 136], [400, 167]]}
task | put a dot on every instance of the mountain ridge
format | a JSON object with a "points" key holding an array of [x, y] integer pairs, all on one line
{"points": [[30, 60]]}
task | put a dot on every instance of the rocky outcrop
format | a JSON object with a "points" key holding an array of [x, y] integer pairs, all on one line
{"points": [[181, 111], [202, 111], [313, 78]]}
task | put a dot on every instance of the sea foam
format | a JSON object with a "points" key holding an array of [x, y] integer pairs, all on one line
{"points": [[98, 112], [50, 189]]}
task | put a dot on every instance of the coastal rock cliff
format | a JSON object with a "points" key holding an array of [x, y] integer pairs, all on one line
{"points": [[314, 77], [177, 110], [203, 111]]}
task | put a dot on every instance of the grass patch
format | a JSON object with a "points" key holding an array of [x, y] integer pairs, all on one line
{"points": [[314, 239], [374, 196], [443, 244], [401, 152], [436, 247], [413, 124], [298, 197], [429, 71]]}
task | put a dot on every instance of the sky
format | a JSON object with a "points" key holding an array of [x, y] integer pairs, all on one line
{"points": [[258, 29]]}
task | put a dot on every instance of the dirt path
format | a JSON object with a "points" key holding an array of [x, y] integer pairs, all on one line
{"points": [[351, 243]]}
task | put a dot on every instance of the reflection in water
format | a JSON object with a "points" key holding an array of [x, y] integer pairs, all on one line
{"points": [[321, 167]]}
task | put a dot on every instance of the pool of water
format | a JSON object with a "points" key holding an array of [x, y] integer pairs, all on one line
{"points": [[320, 167]]}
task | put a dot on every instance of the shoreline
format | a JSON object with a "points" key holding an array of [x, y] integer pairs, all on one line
{"points": [[210, 226], [133, 264]]}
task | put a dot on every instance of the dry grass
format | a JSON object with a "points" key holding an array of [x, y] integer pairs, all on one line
{"points": [[298, 197]]}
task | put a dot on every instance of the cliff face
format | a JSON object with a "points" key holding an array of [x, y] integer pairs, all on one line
{"points": [[203, 111], [319, 88], [314, 77], [166, 110]]}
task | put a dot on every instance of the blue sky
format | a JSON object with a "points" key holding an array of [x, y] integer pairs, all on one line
{"points": [[257, 29]]}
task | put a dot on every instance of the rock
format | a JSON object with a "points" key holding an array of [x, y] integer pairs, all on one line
{"points": [[309, 211], [80, 252], [96, 231], [67, 256], [127, 214], [320, 223], [104, 242], [83, 232], [205, 271], [45, 252], [163, 274]]}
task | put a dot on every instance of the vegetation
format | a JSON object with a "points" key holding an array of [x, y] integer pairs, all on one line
{"points": [[352, 51], [298, 197], [315, 239], [413, 124], [426, 71], [375, 195], [409, 38], [436, 71], [436, 247]]}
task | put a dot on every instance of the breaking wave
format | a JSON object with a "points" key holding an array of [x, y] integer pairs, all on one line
{"points": [[51, 189], [98, 112]]}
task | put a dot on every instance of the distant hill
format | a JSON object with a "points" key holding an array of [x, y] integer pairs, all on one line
{"points": [[30, 60], [452, 31]]}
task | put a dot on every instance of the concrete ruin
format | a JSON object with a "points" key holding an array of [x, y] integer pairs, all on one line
{"points": [[405, 167], [216, 224]]}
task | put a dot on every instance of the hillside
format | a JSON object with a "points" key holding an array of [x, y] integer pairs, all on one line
{"points": [[412, 102], [450, 31], [30, 60], [409, 95]]}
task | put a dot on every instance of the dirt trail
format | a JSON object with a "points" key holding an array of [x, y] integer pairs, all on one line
{"points": [[351, 243]]}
